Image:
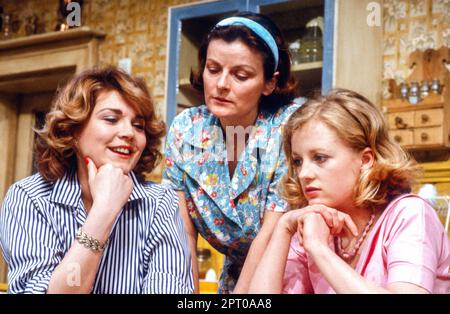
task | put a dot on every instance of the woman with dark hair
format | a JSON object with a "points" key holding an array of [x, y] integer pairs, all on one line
{"points": [[87, 222], [224, 158]]}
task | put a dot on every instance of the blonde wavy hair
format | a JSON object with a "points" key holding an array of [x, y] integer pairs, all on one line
{"points": [[72, 108], [360, 124]]}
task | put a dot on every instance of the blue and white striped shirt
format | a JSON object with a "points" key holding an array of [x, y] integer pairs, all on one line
{"points": [[147, 251]]}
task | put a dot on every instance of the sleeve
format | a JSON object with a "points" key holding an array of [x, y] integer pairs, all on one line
{"points": [[173, 175], [29, 243], [414, 244], [274, 201], [170, 269], [296, 276]]}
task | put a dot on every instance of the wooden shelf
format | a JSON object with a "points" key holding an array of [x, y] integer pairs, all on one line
{"points": [[184, 82], [430, 102], [51, 37], [306, 66], [435, 172], [409, 107]]}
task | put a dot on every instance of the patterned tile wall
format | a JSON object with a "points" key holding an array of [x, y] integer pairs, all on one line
{"points": [[411, 25], [135, 29]]}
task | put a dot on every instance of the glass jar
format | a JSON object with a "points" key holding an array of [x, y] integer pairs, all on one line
{"points": [[294, 49], [435, 86], [414, 96], [6, 33], [424, 89], [204, 262], [311, 47], [404, 90]]}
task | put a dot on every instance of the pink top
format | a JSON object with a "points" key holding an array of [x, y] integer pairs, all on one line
{"points": [[408, 243]]}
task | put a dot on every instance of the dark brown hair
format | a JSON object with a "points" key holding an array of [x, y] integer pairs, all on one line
{"points": [[72, 108], [285, 89]]}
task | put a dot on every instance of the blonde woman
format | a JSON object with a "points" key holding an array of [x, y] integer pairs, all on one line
{"points": [[354, 227]]}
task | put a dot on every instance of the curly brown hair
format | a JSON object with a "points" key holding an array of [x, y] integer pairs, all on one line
{"points": [[72, 108], [360, 124]]}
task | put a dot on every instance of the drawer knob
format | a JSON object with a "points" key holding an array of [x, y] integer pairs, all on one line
{"points": [[424, 136], [399, 123], [398, 138], [425, 118]]}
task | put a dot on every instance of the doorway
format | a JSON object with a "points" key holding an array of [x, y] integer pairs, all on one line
{"points": [[20, 114]]}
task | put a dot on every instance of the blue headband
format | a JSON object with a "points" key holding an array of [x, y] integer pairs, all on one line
{"points": [[263, 33]]}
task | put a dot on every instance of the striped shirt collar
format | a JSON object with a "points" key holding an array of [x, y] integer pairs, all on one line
{"points": [[67, 190]]}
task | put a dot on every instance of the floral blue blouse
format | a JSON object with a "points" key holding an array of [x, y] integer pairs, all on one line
{"points": [[227, 212]]}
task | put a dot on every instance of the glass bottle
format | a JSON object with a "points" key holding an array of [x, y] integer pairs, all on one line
{"points": [[413, 96], [294, 49], [311, 49], [424, 89], [404, 90], [31, 24], [435, 86], [204, 262], [6, 26]]}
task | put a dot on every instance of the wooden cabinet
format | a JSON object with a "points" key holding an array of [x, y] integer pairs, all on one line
{"points": [[425, 125], [418, 127]]}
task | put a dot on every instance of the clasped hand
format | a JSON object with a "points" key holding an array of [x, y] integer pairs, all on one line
{"points": [[316, 223]]}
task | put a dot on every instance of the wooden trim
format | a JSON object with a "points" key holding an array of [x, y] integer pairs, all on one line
{"points": [[76, 33], [410, 107], [359, 56], [8, 127], [306, 66], [435, 172]]}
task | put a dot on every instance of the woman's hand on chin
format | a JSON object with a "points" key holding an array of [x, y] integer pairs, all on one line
{"points": [[110, 189]]}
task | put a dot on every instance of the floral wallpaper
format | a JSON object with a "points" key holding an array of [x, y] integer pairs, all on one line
{"points": [[411, 25]]}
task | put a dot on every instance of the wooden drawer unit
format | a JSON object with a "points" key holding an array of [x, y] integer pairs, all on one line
{"points": [[429, 136], [403, 137], [428, 118], [401, 120], [420, 126], [432, 117]]}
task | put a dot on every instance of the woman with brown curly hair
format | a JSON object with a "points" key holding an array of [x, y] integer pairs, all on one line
{"points": [[354, 227], [87, 222]]}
